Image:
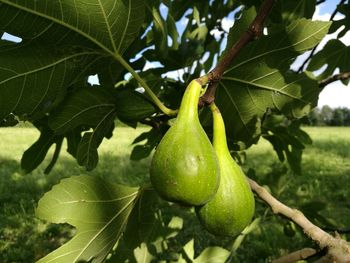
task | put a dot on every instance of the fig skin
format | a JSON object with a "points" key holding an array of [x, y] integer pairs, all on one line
{"points": [[232, 207], [184, 168]]}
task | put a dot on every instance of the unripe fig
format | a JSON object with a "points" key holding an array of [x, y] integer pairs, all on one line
{"points": [[232, 207], [184, 168]]}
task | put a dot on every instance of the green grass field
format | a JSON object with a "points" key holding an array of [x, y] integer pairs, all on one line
{"points": [[322, 192]]}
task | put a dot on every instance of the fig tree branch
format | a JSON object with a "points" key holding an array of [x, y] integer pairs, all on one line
{"points": [[296, 256], [337, 248], [333, 78], [254, 31], [302, 67]]}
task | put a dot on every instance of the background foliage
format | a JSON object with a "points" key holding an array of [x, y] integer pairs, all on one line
{"points": [[327, 116]]}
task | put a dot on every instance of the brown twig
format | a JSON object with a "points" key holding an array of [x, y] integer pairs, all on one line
{"points": [[254, 31], [338, 249], [301, 68], [333, 78], [296, 255]]}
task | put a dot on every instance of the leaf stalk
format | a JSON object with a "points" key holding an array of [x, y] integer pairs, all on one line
{"points": [[143, 83]]}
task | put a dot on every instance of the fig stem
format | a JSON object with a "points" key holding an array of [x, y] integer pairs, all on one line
{"points": [[188, 109], [219, 139]]}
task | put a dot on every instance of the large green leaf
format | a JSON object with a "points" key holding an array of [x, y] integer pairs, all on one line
{"points": [[110, 24], [84, 107], [133, 106], [140, 230], [259, 79], [335, 55], [97, 209], [62, 41], [286, 11], [240, 26], [34, 78]]}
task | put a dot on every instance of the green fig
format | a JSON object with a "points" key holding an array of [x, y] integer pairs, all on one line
{"points": [[184, 168], [232, 207]]}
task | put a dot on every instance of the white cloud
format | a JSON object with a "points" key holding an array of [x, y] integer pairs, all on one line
{"points": [[175, 74], [216, 33], [346, 38], [227, 23], [150, 65], [326, 16], [335, 95]]}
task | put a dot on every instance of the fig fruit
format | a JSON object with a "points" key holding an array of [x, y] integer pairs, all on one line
{"points": [[232, 207], [184, 168]]}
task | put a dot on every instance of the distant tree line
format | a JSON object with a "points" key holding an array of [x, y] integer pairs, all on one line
{"points": [[327, 116]]}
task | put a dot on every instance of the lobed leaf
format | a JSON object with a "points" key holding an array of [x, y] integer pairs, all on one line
{"points": [[85, 107], [36, 153], [335, 55], [62, 41], [140, 231], [34, 78], [133, 106], [259, 79], [343, 24], [286, 11], [95, 20], [87, 154], [97, 209]]}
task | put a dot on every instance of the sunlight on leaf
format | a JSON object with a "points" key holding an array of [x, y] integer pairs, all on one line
{"points": [[208, 255], [62, 41], [259, 79], [99, 211]]}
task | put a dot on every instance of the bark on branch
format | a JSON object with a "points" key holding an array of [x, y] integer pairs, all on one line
{"points": [[337, 248], [330, 79], [254, 31]]}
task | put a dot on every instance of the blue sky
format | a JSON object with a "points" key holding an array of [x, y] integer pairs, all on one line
{"points": [[334, 95], [328, 6]]}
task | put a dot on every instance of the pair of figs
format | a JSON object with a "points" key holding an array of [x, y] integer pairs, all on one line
{"points": [[186, 168]]}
